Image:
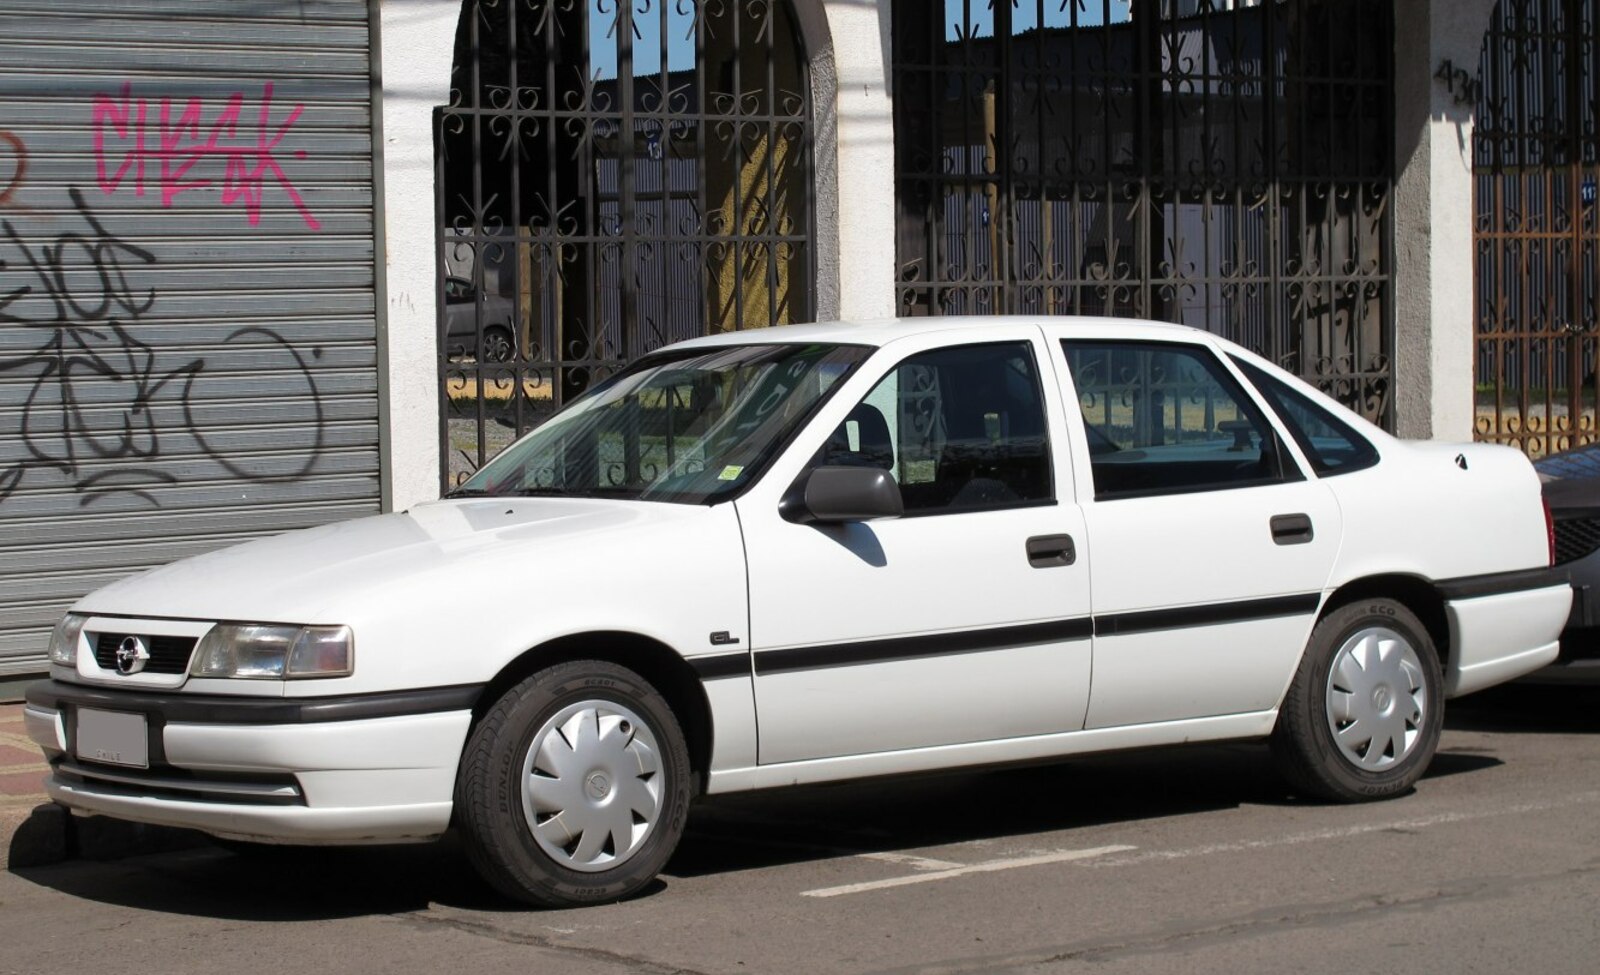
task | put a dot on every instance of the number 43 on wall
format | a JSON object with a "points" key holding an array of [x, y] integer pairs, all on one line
{"points": [[1464, 87]]}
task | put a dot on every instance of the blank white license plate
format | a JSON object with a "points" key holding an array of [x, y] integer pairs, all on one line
{"points": [[113, 737]]}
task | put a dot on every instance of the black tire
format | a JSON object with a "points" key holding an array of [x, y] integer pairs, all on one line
{"points": [[1323, 763], [601, 780]]}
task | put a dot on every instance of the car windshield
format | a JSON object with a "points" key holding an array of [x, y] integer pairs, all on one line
{"points": [[688, 427]]}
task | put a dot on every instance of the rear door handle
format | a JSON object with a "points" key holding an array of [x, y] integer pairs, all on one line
{"points": [[1047, 551], [1292, 529]]}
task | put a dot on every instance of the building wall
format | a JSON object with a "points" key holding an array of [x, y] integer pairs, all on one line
{"points": [[850, 49]]}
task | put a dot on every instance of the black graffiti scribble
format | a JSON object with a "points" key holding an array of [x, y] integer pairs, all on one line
{"points": [[78, 288]]}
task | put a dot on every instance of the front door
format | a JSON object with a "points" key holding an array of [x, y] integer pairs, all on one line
{"points": [[965, 620]]}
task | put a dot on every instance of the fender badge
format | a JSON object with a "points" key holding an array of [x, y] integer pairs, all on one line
{"points": [[722, 638]]}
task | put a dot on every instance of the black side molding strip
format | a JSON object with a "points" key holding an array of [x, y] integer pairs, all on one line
{"points": [[1497, 583], [933, 645], [223, 709], [713, 666], [1209, 613]]}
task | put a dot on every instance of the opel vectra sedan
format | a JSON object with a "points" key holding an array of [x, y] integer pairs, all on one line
{"points": [[814, 553]]}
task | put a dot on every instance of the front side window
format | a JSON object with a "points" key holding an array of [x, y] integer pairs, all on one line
{"points": [[691, 427], [960, 428], [1167, 419]]}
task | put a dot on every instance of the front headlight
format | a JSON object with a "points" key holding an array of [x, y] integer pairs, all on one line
{"points": [[266, 652], [64, 640]]}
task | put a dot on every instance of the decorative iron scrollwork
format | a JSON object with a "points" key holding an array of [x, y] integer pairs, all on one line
{"points": [[612, 176], [1220, 164], [1536, 250]]}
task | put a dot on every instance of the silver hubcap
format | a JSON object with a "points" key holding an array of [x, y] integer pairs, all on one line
{"points": [[1376, 698], [591, 785]]}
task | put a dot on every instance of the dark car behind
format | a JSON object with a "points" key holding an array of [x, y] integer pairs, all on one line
{"points": [[1572, 489]]}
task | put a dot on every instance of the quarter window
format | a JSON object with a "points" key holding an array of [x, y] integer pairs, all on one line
{"points": [[960, 428], [1166, 419], [1329, 443]]}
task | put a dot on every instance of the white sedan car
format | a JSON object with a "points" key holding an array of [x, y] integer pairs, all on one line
{"points": [[814, 553]]}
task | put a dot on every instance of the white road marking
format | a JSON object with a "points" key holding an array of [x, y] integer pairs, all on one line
{"points": [[1059, 856], [1345, 832], [931, 870], [914, 862]]}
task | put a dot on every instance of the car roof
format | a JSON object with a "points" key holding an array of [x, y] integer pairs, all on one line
{"points": [[882, 331]]}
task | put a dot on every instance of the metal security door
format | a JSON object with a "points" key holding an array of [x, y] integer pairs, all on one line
{"points": [[187, 314], [1536, 236], [1224, 165], [611, 177]]}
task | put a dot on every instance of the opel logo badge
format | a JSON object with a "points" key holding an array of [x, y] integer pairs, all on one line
{"points": [[132, 655]]}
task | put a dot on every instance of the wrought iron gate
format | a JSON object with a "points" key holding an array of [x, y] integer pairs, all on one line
{"points": [[1537, 241], [1201, 161], [612, 176]]}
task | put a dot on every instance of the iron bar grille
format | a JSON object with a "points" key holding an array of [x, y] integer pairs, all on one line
{"points": [[611, 177], [1216, 163], [1535, 233]]}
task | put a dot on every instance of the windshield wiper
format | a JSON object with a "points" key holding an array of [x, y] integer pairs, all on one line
{"points": [[467, 493], [554, 492]]}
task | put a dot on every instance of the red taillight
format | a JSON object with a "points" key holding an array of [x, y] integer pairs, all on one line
{"points": [[1550, 530]]}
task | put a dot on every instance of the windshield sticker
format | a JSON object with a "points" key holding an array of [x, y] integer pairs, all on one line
{"points": [[730, 473]]}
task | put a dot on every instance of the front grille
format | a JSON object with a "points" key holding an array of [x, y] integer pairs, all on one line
{"points": [[1575, 538], [168, 654]]}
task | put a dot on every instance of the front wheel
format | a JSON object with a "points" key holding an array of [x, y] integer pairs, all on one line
{"points": [[574, 788], [1363, 715]]}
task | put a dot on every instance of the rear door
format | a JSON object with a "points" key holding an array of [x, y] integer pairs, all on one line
{"points": [[1212, 547]]}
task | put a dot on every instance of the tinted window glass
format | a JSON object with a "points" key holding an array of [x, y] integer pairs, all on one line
{"points": [[959, 428], [1164, 419], [1329, 443]]}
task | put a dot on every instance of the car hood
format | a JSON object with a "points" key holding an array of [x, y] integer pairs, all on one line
{"points": [[326, 574]]}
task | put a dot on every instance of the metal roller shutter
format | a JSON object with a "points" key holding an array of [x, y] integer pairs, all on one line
{"points": [[187, 313]]}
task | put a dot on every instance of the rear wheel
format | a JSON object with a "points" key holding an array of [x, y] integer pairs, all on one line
{"points": [[575, 786], [497, 345], [1363, 714]]}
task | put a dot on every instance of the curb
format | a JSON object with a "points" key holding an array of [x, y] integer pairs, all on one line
{"points": [[48, 833]]}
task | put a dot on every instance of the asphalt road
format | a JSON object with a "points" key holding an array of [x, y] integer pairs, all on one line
{"points": [[1182, 860]]}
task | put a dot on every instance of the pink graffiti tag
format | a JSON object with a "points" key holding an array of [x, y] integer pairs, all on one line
{"points": [[183, 144]]}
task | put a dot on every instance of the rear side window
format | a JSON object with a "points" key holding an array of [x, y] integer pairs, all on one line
{"points": [[1168, 419], [1331, 445]]}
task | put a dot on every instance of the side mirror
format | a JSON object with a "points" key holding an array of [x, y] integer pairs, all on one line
{"points": [[834, 495]]}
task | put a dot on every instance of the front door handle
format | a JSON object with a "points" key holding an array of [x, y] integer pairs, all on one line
{"points": [[1292, 529], [1047, 551]]}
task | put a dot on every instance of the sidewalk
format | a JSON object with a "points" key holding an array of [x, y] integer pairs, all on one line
{"points": [[34, 831], [22, 770]]}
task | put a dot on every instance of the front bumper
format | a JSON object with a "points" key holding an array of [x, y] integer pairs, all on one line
{"points": [[376, 768]]}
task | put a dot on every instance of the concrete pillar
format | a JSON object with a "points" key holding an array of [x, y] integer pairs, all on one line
{"points": [[863, 209], [1433, 291], [415, 49]]}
